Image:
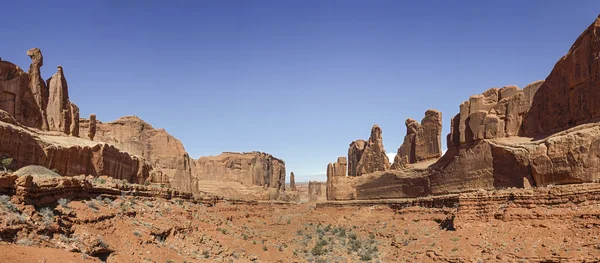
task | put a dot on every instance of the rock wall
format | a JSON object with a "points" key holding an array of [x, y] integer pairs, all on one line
{"points": [[16, 97], [172, 165], [317, 191], [251, 169], [70, 156], [570, 94]]}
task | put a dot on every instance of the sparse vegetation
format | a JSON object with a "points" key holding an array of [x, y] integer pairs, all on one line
{"points": [[64, 202]]}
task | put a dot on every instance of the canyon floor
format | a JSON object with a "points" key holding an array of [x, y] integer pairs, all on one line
{"points": [[148, 229]]}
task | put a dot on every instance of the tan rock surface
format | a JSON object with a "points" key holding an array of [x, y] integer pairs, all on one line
{"points": [[166, 154], [251, 169], [374, 157], [16, 97], [70, 155], [58, 110], [355, 152]]}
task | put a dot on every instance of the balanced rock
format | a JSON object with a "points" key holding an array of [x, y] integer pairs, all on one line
{"points": [[37, 84]]}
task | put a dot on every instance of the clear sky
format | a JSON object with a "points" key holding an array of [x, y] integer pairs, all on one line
{"points": [[297, 79]]}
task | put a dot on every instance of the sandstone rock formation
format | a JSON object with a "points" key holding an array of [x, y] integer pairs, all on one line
{"points": [[69, 155], [251, 168], [59, 107], [37, 85], [166, 154], [74, 129], [569, 96], [374, 157], [487, 147], [355, 152], [422, 141], [292, 182], [16, 97], [91, 127], [317, 191]]}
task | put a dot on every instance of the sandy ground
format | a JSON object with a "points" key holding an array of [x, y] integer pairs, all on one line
{"points": [[129, 229]]}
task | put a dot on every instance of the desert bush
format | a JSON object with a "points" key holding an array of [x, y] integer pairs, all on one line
{"points": [[25, 242], [319, 249], [14, 218], [5, 201], [6, 162], [47, 215], [64, 202], [92, 204], [137, 233]]}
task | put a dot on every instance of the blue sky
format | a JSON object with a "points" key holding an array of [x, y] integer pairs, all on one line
{"points": [[297, 79]]}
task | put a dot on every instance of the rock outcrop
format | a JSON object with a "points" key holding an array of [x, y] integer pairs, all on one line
{"points": [[70, 156], [317, 191], [37, 85], [292, 182], [570, 94], [91, 127], [374, 157], [59, 110], [545, 134], [355, 152], [422, 141], [251, 169], [172, 165], [16, 97]]}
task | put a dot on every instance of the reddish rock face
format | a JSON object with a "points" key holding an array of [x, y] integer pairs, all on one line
{"points": [[252, 168], [37, 85], [570, 94], [422, 141], [374, 157], [16, 97], [355, 152], [69, 155], [59, 111], [164, 152]]}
